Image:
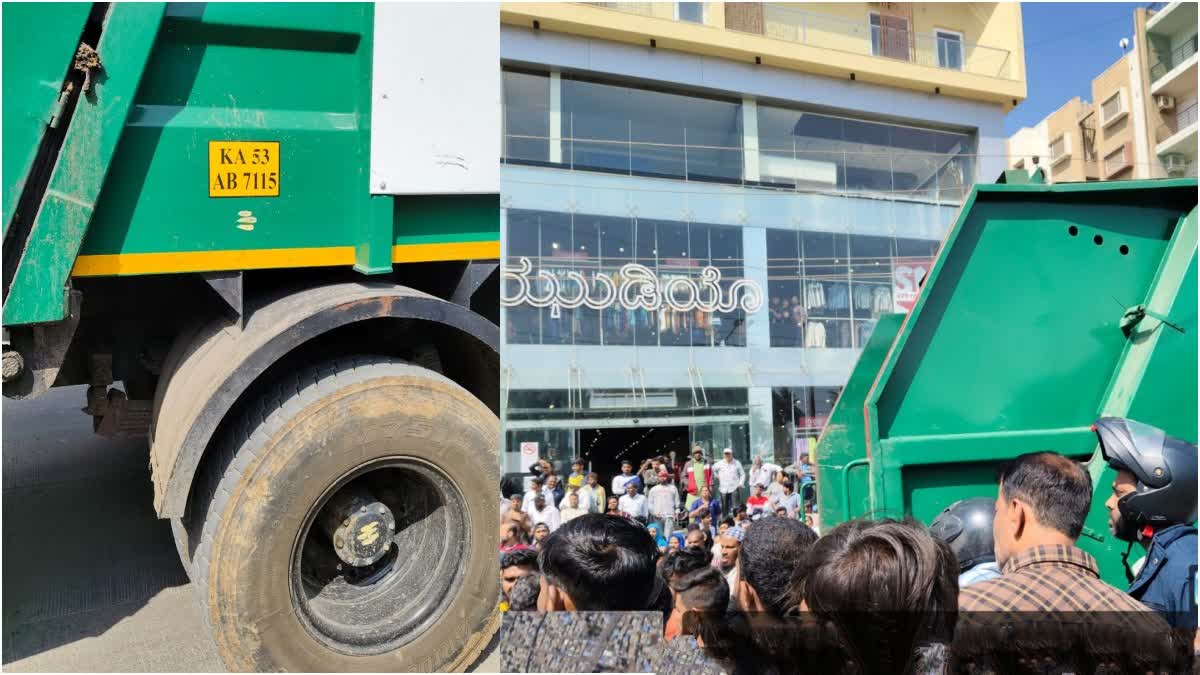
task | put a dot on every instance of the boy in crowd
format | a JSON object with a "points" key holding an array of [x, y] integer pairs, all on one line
{"points": [[758, 504], [663, 503], [622, 479]]}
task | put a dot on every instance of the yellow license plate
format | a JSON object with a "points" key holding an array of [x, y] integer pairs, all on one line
{"points": [[243, 168]]}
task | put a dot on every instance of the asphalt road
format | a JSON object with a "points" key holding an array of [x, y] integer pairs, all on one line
{"points": [[91, 581]]}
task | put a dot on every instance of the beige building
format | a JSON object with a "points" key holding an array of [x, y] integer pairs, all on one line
{"points": [[1141, 122], [1166, 45], [1118, 141]]}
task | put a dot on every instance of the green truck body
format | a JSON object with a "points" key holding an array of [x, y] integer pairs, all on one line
{"points": [[1015, 345], [129, 193], [192, 220]]}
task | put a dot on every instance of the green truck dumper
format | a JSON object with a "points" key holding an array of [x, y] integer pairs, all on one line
{"points": [[1048, 307], [266, 237]]}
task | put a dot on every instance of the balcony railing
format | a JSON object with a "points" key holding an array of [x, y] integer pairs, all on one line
{"points": [[1175, 57], [943, 50], [1184, 117]]}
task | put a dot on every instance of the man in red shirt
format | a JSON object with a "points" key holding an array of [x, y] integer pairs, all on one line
{"points": [[699, 475], [756, 505]]}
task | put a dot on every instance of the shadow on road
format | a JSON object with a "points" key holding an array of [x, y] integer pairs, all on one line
{"points": [[83, 549]]}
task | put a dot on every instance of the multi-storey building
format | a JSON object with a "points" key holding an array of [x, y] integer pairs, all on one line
{"points": [[1141, 122], [1167, 47], [705, 206]]}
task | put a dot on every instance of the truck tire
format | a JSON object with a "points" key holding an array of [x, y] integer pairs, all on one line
{"points": [[383, 451]]}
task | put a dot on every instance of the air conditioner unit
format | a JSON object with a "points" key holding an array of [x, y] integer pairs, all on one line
{"points": [[1175, 164], [1164, 102]]}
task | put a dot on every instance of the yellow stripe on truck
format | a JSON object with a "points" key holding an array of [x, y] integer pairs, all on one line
{"points": [[122, 264]]}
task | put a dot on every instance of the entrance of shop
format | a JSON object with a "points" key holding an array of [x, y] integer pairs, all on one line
{"points": [[605, 449]]}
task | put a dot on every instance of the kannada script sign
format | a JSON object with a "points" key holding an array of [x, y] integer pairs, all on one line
{"points": [[632, 287]]}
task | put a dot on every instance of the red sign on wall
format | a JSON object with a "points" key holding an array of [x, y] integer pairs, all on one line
{"points": [[907, 275]]}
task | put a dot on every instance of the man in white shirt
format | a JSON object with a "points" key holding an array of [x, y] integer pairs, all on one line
{"points": [[632, 504], [572, 509], [541, 512], [582, 496], [626, 475], [663, 502], [763, 473], [535, 489], [730, 477]]}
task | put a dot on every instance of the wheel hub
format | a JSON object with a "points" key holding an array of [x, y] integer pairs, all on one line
{"points": [[359, 526]]}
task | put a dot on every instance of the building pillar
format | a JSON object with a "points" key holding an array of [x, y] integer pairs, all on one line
{"points": [[750, 170], [1143, 146], [754, 268], [556, 120], [762, 436]]}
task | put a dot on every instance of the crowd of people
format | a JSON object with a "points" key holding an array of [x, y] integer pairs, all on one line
{"points": [[758, 591], [669, 500]]}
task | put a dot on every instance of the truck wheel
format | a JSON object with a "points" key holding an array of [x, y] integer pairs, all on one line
{"points": [[353, 525]]}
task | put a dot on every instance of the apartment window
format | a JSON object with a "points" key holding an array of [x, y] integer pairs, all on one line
{"points": [[1113, 108], [889, 36], [1116, 161], [949, 49], [1060, 148], [690, 11]]}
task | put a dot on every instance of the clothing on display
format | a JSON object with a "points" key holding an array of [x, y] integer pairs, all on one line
{"points": [[862, 296], [814, 294], [815, 336], [837, 296], [882, 298]]}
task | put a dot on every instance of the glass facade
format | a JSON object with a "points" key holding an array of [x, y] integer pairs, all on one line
{"points": [[640, 131], [558, 244], [678, 274], [825, 290]]}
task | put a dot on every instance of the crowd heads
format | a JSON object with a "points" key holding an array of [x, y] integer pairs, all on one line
{"points": [[769, 556], [598, 563], [888, 588], [888, 595]]}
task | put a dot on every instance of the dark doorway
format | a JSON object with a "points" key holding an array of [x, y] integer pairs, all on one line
{"points": [[605, 449]]}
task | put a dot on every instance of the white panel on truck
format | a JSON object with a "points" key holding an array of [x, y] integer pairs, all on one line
{"points": [[435, 99]]}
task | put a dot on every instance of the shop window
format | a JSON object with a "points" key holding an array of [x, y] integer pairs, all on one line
{"points": [[784, 302], [826, 290]]}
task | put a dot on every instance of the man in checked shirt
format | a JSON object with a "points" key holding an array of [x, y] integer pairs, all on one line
{"points": [[1045, 578], [1042, 502]]}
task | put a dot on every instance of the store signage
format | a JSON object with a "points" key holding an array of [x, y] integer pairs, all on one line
{"points": [[632, 287], [906, 279]]}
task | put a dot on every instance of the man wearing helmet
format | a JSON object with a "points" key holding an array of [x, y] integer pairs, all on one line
{"points": [[1153, 503], [966, 527]]}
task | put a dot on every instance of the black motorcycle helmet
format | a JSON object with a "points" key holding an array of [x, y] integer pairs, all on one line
{"points": [[966, 527], [1165, 469]]}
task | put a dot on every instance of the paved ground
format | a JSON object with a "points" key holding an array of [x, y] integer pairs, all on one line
{"points": [[91, 581]]}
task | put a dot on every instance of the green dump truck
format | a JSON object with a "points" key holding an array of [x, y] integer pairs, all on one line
{"points": [[266, 237], [1047, 307]]}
